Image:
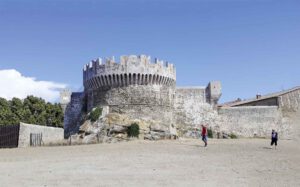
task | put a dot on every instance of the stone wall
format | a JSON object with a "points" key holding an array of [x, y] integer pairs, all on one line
{"points": [[191, 110], [50, 134], [73, 114], [251, 121], [147, 102], [290, 106], [290, 102], [133, 95]]}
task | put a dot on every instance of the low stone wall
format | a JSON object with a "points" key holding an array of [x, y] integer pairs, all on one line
{"points": [[50, 134], [251, 121]]}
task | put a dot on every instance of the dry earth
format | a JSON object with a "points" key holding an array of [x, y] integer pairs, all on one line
{"points": [[243, 162]]}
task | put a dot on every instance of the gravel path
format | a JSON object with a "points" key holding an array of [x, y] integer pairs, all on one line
{"points": [[243, 162]]}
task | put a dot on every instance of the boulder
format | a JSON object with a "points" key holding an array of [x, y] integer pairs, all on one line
{"points": [[148, 137], [119, 119], [105, 139], [75, 139], [89, 128], [118, 129], [225, 135], [85, 126], [158, 135], [121, 136], [90, 139], [158, 128]]}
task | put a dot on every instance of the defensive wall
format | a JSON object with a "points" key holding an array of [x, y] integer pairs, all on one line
{"points": [[253, 121], [72, 117], [290, 102], [192, 108], [290, 106]]}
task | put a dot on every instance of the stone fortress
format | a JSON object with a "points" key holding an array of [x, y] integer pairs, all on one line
{"points": [[146, 91], [134, 87]]}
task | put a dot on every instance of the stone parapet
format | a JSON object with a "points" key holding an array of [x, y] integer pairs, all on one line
{"points": [[131, 70]]}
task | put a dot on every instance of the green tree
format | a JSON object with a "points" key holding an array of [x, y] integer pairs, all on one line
{"points": [[32, 110], [6, 116]]}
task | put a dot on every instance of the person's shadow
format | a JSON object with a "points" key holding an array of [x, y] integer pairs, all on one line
{"points": [[266, 147], [191, 145]]}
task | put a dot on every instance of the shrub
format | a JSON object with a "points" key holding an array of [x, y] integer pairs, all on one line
{"points": [[95, 114], [210, 133], [233, 136], [133, 130]]}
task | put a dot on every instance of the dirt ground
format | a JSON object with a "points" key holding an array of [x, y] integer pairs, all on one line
{"points": [[242, 162]]}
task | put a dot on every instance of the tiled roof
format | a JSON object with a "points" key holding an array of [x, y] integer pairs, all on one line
{"points": [[263, 97]]}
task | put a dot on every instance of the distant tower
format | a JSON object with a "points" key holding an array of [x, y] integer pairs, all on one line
{"points": [[213, 92], [65, 98]]}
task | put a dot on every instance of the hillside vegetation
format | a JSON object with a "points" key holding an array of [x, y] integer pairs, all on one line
{"points": [[32, 110]]}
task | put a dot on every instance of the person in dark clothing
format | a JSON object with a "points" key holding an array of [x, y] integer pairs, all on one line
{"points": [[274, 138], [204, 135]]}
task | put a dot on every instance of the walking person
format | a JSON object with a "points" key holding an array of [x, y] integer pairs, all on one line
{"points": [[274, 138], [204, 135]]}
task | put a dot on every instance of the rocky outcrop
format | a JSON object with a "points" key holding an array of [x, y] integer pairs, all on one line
{"points": [[113, 127]]}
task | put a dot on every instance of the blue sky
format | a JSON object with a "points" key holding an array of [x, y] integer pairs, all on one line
{"points": [[251, 46]]}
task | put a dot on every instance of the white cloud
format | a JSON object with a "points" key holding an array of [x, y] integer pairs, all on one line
{"points": [[14, 84]]}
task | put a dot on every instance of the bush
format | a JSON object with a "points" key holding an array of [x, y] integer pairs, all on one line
{"points": [[210, 133], [95, 114], [133, 130], [233, 136]]}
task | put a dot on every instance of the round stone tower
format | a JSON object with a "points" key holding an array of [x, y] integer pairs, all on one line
{"points": [[134, 86]]}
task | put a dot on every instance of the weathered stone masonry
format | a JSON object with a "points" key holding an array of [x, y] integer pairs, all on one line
{"points": [[143, 90], [134, 86]]}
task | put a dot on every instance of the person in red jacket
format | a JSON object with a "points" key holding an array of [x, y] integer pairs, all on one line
{"points": [[204, 135]]}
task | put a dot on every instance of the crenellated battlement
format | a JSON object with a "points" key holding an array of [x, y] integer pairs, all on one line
{"points": [[129, 70]]}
